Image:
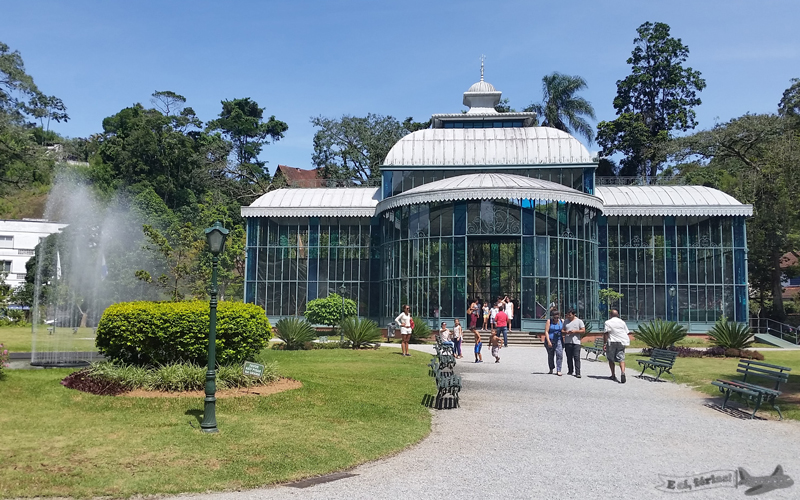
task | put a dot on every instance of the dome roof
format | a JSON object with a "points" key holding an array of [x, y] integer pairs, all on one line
{"points": [[489, 187], [487, 146], [669, 200], [482, 86]]}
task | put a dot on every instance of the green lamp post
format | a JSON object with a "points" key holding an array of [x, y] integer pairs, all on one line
{"points": [[215, 236], [342, 291]]}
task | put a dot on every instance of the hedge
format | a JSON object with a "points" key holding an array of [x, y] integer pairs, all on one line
{"points": [[153, 333]]}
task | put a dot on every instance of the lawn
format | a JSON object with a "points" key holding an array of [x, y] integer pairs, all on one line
{"points": [[354, 406], [699, 372], [686, 342], [20, 339]]}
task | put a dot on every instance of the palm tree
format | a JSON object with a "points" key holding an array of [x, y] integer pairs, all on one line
{"points": [[561, 108]]}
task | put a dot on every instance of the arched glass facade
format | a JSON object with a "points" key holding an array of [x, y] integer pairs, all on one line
{"points": [[437, 256]]}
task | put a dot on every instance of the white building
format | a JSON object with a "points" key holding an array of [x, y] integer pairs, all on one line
{"points": [[18, 239]]}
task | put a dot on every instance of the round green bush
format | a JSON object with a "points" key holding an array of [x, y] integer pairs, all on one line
{"points": [[159, 333]]}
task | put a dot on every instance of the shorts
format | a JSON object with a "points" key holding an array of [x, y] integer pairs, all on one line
{"points": [[478, 347], [496, 351], [615, 352]]}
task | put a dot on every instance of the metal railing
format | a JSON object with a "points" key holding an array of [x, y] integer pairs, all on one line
{"points": [[783, 331], [327, 183], [662, 180]]}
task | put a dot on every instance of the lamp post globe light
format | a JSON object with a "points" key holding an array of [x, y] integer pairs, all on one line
{"points": [[342, 290], [215, 236]]}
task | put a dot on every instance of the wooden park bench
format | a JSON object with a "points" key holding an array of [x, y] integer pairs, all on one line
{"points": [[753, 392], [444, 361], [660, 361], [443, 348], [597, 350]]}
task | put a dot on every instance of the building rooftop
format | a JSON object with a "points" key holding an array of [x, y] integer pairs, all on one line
{"points": [[448, 147], [489, 187], [669, 200], [315, 202]]}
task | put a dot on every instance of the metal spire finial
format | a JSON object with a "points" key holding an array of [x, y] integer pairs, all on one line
{"points": [[482, 58]]}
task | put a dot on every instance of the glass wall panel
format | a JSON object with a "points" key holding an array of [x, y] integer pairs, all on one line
{"points": [[680, 268]]}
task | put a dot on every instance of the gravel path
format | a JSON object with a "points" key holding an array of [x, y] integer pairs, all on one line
{"points": [[521, 433]]}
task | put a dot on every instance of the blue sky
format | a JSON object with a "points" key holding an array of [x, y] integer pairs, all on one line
{"points": [[402, 58]]}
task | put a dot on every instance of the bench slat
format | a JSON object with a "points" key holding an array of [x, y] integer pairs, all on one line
{"points": [[780, 377], [759, 363]]}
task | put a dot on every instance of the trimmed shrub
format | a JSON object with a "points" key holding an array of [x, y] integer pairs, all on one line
{"points": [[108, 378], [361, 332], [162, 333], [683, 352], [731, 335], [295, 333], [421, 331], [660, 334], [328, 310]]}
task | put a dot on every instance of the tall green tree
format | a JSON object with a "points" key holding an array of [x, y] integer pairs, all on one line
{"points": [[242, 122], [561, 108], [352, 148], [655, 100], [23, 160], [756, 159]]}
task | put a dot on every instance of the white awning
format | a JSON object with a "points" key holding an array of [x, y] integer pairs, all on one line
{"points": [[670, 201], [489, 187], [315, 202]]}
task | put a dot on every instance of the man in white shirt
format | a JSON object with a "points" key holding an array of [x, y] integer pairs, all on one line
{"points": [[573, 329], [616, 338]]}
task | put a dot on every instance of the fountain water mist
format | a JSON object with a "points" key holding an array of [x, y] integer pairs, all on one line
{"points": [[81, 271]]}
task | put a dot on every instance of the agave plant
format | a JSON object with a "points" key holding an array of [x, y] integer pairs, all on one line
{"points": [[295, 333], [731, 335], [660, 334], [360, 332], [421, 331]]}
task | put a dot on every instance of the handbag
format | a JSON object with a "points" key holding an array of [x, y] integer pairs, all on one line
{"points": [[412, 323]]}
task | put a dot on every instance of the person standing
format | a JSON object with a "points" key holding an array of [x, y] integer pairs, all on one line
{"points": [[493, 316], [478, 346], [573, 329], [472, 314], [458, 333], [553, 341], [494, 341], [404, 320], [509, 312], [486, 316], [616, 338], [502, 323]]}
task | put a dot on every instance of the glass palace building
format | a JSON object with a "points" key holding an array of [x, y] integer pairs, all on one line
{"points": [[485, 204]]}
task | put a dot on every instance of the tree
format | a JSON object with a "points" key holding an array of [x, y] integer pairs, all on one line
{"points": [[353, 148], [328, 311], [241, 122], [561, 108], [22, 159], [178, 249], [789, 106], [656, 99], [756, 159]]}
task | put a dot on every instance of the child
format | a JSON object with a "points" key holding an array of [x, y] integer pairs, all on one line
{"points": [[495, 343], [486, 316], [492, 313], [478, 346], [459, 336]]}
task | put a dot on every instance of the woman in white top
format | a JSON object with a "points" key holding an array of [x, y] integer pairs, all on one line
{"points": [[404, 321]]}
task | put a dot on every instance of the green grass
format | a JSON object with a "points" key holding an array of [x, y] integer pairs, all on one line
{"points": [[354, 406], [686, 342], [20, 339], [700, 372]]}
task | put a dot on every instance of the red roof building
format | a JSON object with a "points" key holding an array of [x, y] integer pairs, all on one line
{"points": [[297, 177]]}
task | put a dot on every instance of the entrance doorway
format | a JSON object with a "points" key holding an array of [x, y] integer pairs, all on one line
{"points": [[493, 270]]}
